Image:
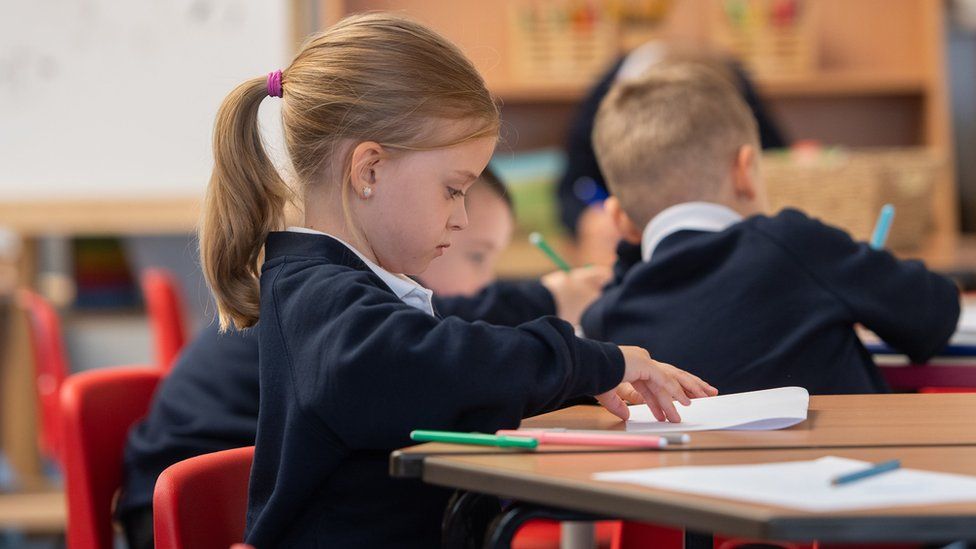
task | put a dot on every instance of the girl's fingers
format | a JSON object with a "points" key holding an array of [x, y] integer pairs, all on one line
{"points": [[630, 395], [693, 386], [650, 399], [678, 392], [614, 405], [703, 385], [656, 410], [667, 405]]}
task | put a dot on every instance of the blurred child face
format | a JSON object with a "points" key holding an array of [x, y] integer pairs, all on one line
{"points": [[417, 203], [469, 265]]}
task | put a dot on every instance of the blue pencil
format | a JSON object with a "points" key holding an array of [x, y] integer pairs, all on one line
{"points": [[876, 469], [882, 227]]}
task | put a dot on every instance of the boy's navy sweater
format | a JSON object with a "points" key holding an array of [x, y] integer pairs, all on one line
{"points": [[347, 371], [209, 401], [771, 302]]}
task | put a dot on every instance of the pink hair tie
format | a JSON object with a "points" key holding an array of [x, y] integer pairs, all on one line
{"points": [[274, 83]]}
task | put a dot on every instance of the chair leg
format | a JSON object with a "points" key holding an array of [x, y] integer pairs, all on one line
{"points": [[502, 530], [466, 518]]}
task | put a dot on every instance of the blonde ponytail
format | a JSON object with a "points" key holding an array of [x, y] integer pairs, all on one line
{"points": [[245, 200], [371, 77]]}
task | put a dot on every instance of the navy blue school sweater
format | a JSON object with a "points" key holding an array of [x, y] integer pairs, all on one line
{"points": [[209, 401], [772, 301], [347, 371]]}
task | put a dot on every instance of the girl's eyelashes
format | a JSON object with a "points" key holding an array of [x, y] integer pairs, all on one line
{"points": [[455, 193]]}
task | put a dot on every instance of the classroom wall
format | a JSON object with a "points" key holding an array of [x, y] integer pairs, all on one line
{"points": [[110, 98]]}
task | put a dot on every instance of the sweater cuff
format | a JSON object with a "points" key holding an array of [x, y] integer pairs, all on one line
{"points": [[943, 318], [605, 361]]}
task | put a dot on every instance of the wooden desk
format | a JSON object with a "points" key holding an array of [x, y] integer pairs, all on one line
{"points": [[835, 421], [33, 512], [565, 481]]}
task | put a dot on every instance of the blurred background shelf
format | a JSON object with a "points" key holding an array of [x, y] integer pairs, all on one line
{"points": [[877, 84]]}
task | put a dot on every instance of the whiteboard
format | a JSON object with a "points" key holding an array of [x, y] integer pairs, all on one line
{"points": [[106, 99]]}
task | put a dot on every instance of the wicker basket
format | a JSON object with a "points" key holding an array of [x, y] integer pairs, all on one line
{"points": [[847, 189]]}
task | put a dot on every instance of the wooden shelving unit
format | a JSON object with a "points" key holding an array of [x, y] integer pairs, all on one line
{"points": [[879, 80]]}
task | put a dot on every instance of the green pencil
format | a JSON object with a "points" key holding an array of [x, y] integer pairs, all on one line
{"points": [[540, 242], [473, 438]]}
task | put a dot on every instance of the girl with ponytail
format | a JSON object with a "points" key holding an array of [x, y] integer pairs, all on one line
{"points": [[387, 125]]}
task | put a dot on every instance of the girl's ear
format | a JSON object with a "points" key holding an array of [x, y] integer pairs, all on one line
{"points": [[362, 168], [627, 228]]}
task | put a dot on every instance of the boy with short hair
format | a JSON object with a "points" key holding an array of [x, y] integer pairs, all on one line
{"points": [[742, 299]]}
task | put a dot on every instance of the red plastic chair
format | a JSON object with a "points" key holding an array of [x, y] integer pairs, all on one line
{"points": [[735, 543], [937, 390], [50, 368], [166, 314], [637, 535], [546, 534], [201, 502], [98, 407]]}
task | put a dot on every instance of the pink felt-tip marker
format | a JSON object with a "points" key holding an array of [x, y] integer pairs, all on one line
{"points": [[608, 439]]}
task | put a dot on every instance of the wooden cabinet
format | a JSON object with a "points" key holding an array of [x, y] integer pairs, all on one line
{"points": [[879, 78]]}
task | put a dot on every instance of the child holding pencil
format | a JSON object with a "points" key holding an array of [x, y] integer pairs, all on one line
{"points": [[387, 126], [707, 280]]}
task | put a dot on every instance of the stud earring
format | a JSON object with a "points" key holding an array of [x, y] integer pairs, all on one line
{"points": [[367, 192]]}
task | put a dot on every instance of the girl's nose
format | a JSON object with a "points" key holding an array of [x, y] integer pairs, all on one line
{"points": [[459, 218]]}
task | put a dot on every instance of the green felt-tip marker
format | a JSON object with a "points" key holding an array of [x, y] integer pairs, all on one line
{"points": [[474, 438], [540, 242]]}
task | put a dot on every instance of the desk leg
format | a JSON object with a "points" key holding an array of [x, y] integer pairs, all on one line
{"points": [[18, 397], [577, 535], [698, 540]]}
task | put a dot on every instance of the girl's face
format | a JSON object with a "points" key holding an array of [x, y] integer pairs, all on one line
{"points": [[417, 202], [469, 265]]}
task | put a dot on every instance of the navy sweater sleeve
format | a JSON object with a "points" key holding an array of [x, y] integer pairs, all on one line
{"points": [[505, 303], [421, 372], [908, 306]]}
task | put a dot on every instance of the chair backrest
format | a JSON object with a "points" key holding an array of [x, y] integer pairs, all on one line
{"points": [[50, 367], [98, 407], [201, 502], [164, 303]]}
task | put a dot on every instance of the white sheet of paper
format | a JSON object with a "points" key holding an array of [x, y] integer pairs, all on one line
{"points": [[753, 411], [806, 484], [967, 319]]}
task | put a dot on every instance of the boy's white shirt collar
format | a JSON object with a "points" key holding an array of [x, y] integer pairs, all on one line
{"points": [[405, 288], [688, 216]]}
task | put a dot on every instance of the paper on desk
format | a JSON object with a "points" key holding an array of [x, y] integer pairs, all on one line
{"points": [[967, 318], [806, 484], [753, 411], [966, 329]]}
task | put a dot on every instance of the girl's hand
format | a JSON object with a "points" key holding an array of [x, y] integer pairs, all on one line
{"points": [[659, 385]]}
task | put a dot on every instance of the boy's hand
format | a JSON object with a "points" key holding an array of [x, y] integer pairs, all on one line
{"points": [[659, 384], [574, 291]]}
